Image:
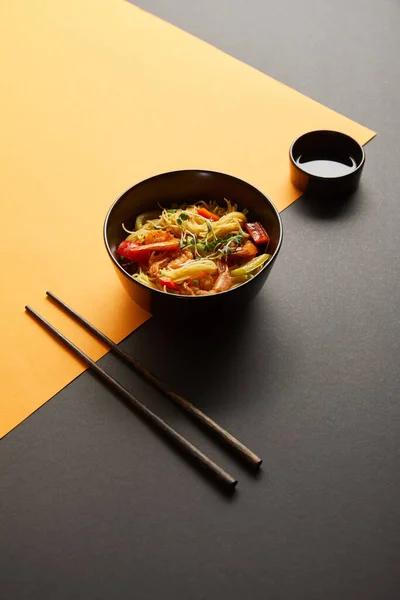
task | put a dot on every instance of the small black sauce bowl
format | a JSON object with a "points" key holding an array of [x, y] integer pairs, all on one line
{"points": [[325, 145], [190, 186]]}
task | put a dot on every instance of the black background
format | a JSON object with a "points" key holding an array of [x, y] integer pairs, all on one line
{"points": [[95, 505]]}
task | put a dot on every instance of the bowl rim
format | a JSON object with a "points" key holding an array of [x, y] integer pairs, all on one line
{"points": [[177, 172], [321, 177]]}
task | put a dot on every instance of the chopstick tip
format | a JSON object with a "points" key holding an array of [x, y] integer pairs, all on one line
{"points": [[31, 311], [52, 296]]}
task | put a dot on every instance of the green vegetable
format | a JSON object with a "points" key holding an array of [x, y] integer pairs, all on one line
{"points": [[144, 217], [253, 264], [237, 280], [239, 273], [184, 216]]}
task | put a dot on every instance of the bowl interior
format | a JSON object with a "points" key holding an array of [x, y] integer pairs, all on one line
{"points": [[190, 187]]}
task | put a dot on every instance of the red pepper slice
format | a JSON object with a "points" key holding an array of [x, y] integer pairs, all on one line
{"points": [[125, 245], [137, 252], [168, 283], [207, 214], [257, 232]]}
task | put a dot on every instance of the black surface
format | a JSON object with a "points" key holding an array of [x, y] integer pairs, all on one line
{"points": [[95, 505]]}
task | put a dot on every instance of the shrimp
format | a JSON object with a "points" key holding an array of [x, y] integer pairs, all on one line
{"points": [[205, 286], [248, 250], [223, 281], [187, 290], [207, 283], [158, 261], [181, 258], [171, 260]]}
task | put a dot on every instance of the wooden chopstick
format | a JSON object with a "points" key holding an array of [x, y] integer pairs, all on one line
{"points": [[227, 438], [201, 459]]}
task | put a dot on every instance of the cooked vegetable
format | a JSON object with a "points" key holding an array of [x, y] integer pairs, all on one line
{"points": [[257, 233], [125, 247], [252, 265], [168, 283], [136, 252], [144, 217], [207, 214]]}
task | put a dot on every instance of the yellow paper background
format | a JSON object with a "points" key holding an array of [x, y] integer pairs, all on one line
{"points": [[95, 96]]}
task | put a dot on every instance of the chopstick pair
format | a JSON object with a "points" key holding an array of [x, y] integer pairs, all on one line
{"points": [[220, 474]]}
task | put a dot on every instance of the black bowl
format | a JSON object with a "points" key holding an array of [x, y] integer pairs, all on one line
{"points": [[190, 186], [326, 164]]}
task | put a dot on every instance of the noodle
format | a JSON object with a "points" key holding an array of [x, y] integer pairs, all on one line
{"points": [[194, 250]]}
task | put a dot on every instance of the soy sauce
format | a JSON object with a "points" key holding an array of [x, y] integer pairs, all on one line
{"points": [[328, 166]]}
